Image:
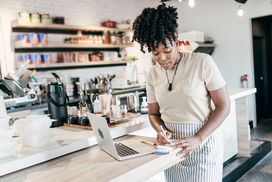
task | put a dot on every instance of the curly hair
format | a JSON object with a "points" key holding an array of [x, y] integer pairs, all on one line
{"points": [[154, 26]]}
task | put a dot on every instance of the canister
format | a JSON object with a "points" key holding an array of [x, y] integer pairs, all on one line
{"points": [[45, 19], [24, 17], [35, 18]]}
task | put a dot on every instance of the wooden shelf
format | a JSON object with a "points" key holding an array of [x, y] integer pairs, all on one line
{"points": [[76, 65], [60, 28], [61, 47], [206, 44], [66, 47], [140, 88], [205, 49]]}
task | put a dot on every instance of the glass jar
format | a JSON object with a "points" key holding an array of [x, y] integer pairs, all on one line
{"points": [[113, 38], [35, 18], [24, 17], [45, 19], [124, 110]]}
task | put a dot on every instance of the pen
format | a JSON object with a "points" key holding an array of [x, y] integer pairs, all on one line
{"points": [[148, 142], [165, 133]]}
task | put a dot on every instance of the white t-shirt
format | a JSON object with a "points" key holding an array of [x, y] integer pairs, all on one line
{"points": [[189, 100]]}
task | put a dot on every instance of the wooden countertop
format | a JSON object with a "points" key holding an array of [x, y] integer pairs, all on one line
{"points": [[64, 141], [92, 164]]}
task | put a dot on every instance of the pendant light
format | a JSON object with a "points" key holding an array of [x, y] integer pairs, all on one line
{"points": [[241, 1], [191, 3], [240, 11]]}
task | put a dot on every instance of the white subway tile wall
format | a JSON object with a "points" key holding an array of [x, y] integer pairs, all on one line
{"points": [[83, 12]]}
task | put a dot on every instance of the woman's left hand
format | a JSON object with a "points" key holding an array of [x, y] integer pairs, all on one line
{"points": [[187, 145]]}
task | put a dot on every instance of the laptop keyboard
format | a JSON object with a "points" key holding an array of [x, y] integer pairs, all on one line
{"points": [[123, 150]]}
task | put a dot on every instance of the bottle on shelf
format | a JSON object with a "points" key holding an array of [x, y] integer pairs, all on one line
{"points": [[144, 106], [107, 37], [116, 109], [96, 105], [113, 38], [136, 102]]}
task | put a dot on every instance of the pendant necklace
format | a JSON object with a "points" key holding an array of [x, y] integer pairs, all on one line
{"points": [[170, 87]]}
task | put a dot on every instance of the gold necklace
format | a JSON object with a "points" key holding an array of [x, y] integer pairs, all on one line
{"points": [[170, 87]]}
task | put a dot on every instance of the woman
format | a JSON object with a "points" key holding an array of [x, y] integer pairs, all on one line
{"points": [[180, 88]]}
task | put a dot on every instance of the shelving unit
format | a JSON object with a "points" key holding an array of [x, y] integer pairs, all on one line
{"points": [[63, 47], [206, 45], [76, 65], [66, 47], [59, 28]]}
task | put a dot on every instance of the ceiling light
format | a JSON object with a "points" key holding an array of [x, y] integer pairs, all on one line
{"points": [[191, 3], [240, 11], [180, 1], [241, 1]]}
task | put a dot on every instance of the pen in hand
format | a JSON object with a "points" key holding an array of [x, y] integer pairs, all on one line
{"points": [[165, 134]]}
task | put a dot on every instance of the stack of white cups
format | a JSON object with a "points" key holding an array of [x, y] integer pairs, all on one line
{"points": [[6, 142]]}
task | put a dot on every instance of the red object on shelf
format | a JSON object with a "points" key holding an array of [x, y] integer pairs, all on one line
{"points": [[244, 81], [184, 46], [109, 24]]}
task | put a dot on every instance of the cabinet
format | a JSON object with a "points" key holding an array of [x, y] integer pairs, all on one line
{"points": [[80, 34]]}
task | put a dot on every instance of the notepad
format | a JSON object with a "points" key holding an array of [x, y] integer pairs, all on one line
{"points": [[162, 150]]}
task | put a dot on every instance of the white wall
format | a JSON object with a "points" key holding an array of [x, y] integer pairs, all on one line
{"points": [[216, 18], [232, 35]]}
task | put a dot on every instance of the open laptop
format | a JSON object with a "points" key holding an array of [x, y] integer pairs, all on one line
{"points": [[125, 149]]}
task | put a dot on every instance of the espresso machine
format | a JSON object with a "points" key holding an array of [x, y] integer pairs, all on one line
{"points": [[14, 95]]}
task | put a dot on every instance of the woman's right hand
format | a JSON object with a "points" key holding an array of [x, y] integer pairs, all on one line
{"points": [[163, 138]]}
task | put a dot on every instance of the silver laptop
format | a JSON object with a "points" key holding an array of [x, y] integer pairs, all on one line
{"points": [[125, 149]]}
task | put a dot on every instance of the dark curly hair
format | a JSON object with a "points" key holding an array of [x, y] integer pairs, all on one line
{"points": [[154, 26]]}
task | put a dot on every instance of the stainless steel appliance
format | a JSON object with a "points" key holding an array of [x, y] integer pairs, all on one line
{"points": [[14, 94]]}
